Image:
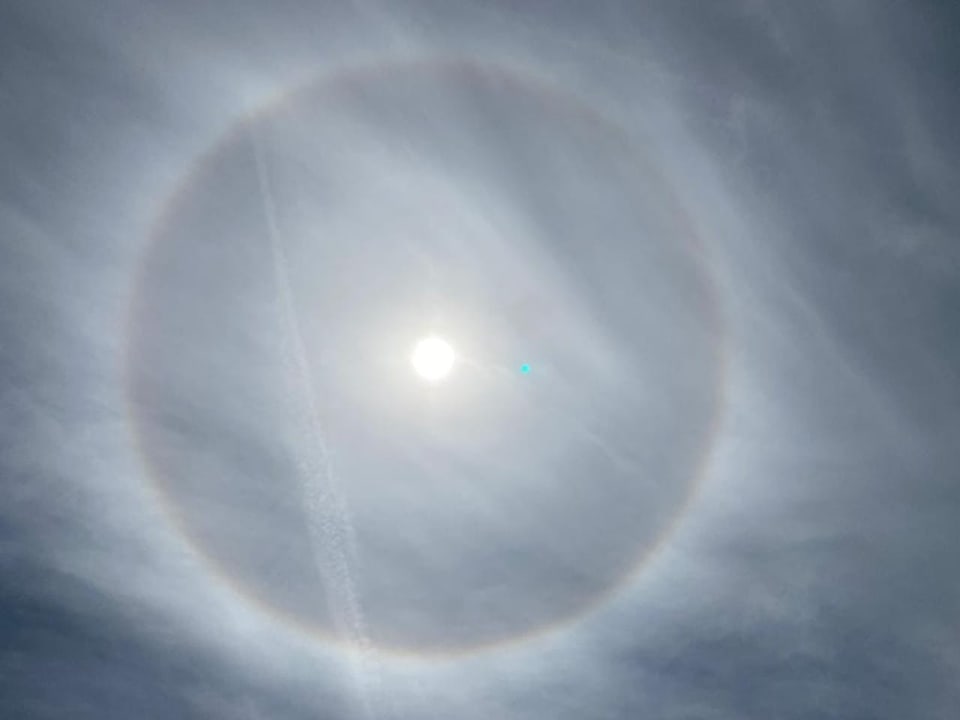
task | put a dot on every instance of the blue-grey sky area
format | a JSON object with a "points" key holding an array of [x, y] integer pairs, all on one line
{"points": [[696, 458]]}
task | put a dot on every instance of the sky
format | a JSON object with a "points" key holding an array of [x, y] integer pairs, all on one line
{"points": [[696, 458]]}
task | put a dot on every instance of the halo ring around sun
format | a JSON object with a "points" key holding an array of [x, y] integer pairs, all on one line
{"points": [[153, 414]]}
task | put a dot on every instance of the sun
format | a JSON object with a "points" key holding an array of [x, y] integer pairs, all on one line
{"points": [[433, 358]]}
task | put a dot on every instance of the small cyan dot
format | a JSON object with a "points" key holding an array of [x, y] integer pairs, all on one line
{"points": [[525, 368]]}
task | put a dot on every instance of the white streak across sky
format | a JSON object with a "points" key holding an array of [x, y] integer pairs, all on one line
{"points": [[328, 515]]}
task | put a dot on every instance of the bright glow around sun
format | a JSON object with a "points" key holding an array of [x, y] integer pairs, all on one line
{"points": [[433, 358]]}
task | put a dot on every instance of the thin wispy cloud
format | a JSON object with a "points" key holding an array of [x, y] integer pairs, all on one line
{"points": [[695, 456]]}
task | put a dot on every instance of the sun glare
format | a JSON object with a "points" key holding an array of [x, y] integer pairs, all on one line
{"points": [[433, 359]]}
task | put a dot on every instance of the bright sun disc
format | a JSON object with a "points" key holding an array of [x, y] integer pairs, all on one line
{"points": [[433, 359]]}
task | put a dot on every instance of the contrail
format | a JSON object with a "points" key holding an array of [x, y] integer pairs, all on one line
{"points": [[328, 515]]}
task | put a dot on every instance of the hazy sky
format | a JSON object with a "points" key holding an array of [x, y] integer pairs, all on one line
{"points": [[722, 237]]}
